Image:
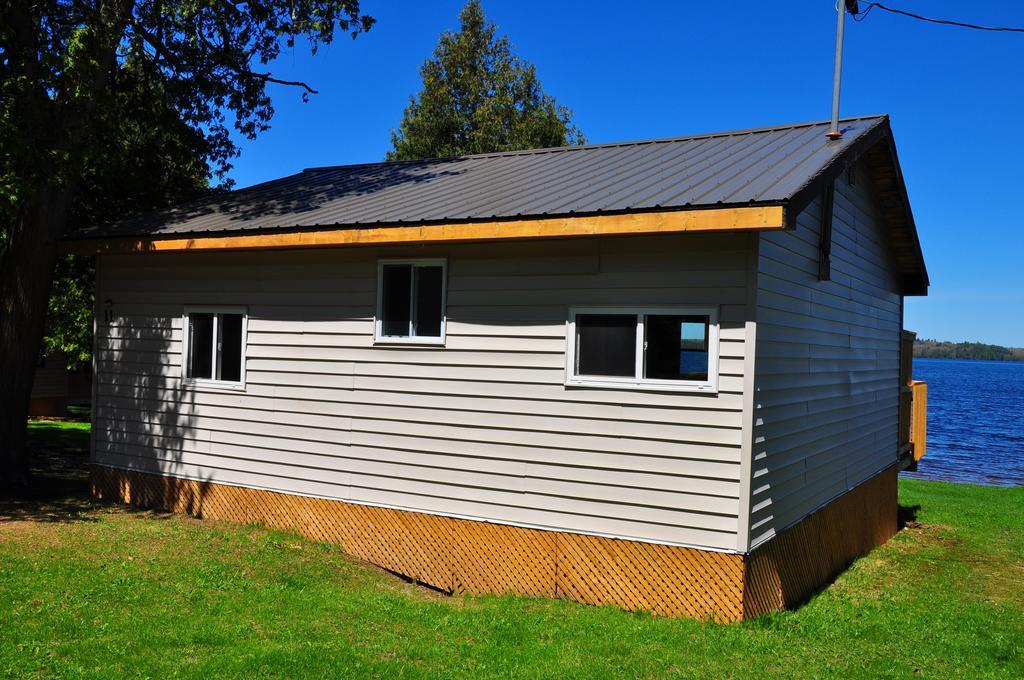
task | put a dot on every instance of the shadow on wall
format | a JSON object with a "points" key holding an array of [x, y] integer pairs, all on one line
{"points": [[310, 326], [143, 416]]}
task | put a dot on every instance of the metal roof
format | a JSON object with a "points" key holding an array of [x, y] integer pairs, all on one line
{"points": [[763, 166]]}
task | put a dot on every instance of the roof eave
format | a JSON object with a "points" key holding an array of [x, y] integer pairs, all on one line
{"points": [[746, 218]]}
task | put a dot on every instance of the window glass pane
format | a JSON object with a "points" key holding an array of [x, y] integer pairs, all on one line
{"points": [[200, 345], [395, 313], [231, 347], [676, 347], [606, 344], [428, 301]]}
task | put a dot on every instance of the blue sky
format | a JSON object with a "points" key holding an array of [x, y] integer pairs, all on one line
{"points": [[657, 69]]}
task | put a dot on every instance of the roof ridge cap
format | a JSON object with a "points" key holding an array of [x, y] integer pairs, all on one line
{"points": [[603, 145]]}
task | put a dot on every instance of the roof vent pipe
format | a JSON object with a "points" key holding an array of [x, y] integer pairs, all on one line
{"points": [[842, 7]]}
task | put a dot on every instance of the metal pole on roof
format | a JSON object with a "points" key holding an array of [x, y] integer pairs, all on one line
{"points": [[841, 8]]}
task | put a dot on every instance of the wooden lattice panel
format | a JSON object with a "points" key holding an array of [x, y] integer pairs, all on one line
{"points": [[458, 555], [494, 558], [792, 566], [665, 580]]}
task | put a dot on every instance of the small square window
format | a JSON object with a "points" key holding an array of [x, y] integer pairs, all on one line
{"points": [[215, 345], [673, 349], [410, 304]]}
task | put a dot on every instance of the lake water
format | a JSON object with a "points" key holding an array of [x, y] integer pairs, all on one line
{"points": [[975, 421]]}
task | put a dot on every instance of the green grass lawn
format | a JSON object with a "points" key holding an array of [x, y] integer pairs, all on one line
{"points": [[105, 591]]}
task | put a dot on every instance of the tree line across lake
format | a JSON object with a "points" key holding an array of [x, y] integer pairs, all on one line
{"points": [[940, 349]]}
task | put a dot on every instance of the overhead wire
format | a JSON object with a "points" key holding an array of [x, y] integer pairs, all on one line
{"points": [[945, 22]]}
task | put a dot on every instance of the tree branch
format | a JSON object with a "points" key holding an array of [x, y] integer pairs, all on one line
{"points": [[158, 46], [271, 79], [166, 53]]}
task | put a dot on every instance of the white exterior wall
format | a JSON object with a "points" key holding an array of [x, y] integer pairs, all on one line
{"points": [[51, 379], [483, 428], [827, 362]]}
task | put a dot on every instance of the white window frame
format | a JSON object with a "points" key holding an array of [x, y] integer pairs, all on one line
{"points": [[186, 349], [709, 386], [378, 322]]}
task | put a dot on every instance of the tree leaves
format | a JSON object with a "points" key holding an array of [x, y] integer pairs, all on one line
{"points": [[151, 160], [133, 103], [64, 62], [478, 97]]}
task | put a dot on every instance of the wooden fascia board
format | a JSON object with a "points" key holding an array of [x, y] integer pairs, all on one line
{"points": [[747, 218]]}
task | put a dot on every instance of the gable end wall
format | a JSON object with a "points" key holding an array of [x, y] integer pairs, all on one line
{"points": [[827, 362]]}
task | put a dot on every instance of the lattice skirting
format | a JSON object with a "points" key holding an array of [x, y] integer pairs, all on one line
{"points": [[458, 555], [798, 562]]}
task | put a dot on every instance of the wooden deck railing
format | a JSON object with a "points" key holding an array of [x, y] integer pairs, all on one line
{"points": [[919, 419], [913, 409]]}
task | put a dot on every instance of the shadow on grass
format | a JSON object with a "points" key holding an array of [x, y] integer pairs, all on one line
{"points": [[60, 479], [59, 490], [906, 515]]}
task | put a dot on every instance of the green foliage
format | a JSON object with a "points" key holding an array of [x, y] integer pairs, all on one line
{"points": [[478, 97], [129, 106], [151, 159], [940, 349], [69, 313], [71, 70], [101, 591], [67, 65]]}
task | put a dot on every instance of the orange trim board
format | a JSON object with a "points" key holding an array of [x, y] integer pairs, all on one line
{"points": [[717, 219], [466, 556]]}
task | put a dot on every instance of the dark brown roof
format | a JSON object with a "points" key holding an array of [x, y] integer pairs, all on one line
{"points": [[784, 165]]}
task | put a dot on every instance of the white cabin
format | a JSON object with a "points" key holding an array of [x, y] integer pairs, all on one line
{"points": [[623, 359]]}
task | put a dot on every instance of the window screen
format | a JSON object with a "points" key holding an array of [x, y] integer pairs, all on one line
{"points": [[428, 291], [396, 304], [676, 347], [411, 300], [231, 347], [606, 344], [200, 346]]}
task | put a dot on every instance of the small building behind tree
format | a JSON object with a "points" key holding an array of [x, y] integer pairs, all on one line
{"points": [[50, 387]]}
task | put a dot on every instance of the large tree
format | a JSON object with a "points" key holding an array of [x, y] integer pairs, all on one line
{"points": [[478, 97], [63, 65], [150, 159]]}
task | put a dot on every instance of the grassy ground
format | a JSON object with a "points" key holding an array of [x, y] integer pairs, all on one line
{"points": [[100, 591]]}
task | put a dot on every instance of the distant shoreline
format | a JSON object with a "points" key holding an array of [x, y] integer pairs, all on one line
{"points": [[982, 361], [971, 351]]}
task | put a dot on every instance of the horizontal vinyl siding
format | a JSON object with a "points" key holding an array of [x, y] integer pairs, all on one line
{"points": [[827, 362], [51, 379], [483, 427]]}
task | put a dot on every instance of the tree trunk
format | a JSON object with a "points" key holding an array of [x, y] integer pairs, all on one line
{"points": [[26, 270], [59, 126]]}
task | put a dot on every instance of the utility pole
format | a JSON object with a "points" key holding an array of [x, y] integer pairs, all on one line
{"points": [[842, 7]]}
